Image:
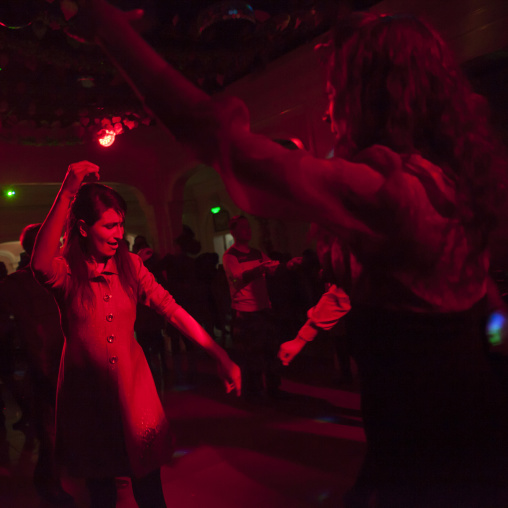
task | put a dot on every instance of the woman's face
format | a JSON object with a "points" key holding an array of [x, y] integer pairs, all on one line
{"points": [[104, 237]]}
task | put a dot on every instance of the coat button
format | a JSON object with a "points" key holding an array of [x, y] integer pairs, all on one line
{"points": [[107, 298], [113, 359], [109, 317], [110, 338]]}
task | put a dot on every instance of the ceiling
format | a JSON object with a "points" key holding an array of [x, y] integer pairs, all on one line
{"points": [[54, 90]]}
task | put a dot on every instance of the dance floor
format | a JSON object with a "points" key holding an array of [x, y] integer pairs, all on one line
{"points": [[300, 451]]}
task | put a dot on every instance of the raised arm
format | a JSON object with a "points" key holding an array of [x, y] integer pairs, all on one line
{"points": [[48, 238]]}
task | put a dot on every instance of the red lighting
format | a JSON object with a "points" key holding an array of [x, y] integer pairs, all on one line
{"points": [[297, 143], [106, 137]]}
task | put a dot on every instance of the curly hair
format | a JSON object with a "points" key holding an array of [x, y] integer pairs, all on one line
{"points": [[91, 201], [393, 81]]}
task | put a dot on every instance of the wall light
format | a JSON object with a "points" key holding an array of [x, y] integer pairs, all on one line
{"points": [[9, 193]]}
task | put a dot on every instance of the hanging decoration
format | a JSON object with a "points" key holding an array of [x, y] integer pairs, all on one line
{"points": [[18, 14], [225, 22], [106, 137]]}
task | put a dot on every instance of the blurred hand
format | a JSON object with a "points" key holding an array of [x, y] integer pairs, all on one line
{"points": [[270, 266], [288, 350], [294, 263], [231, 375], [145, 254]]}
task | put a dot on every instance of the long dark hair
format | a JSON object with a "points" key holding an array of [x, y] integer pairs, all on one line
{"points": [[91, 201], [394, 82]]}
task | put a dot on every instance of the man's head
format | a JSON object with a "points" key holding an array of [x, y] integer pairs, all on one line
{"points": [[27, 238], [240, 229]]}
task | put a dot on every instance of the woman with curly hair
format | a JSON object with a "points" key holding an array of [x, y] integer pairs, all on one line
{"points": [[412, 191]]}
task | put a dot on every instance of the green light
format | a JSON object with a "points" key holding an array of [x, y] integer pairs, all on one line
{"points": [[10, 193], [496, 328], [215, 209]]}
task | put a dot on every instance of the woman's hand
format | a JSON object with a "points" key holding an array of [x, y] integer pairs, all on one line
{"points": [[76, 173], [288, 350], [48, 238], [231, 375]]}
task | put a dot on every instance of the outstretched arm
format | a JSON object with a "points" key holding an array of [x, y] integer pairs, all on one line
{"points": [[332, 306], [262, 177], [48, 238], [228, 370]]}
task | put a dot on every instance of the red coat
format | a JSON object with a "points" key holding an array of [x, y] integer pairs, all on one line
{"points": [[110, 421]]}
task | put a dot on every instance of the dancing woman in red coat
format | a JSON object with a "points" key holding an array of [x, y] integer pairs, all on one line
{"points": [[109, 419]]}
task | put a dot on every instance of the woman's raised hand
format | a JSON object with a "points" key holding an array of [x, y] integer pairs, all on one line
{"points": [[76, 173]]}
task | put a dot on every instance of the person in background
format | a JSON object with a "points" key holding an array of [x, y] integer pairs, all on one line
{"points": [[37, 323], [206, 275], [222, 299], [6, 331], [413, 189], [284, 291], [109, 418], [253, 330], [149, 324], [329, 313], [150, 258], [179, 269]]}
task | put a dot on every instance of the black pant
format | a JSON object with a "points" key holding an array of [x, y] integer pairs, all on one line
{"points": [[255, 349], [47, 471], [147, 491], [434, 417]]}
